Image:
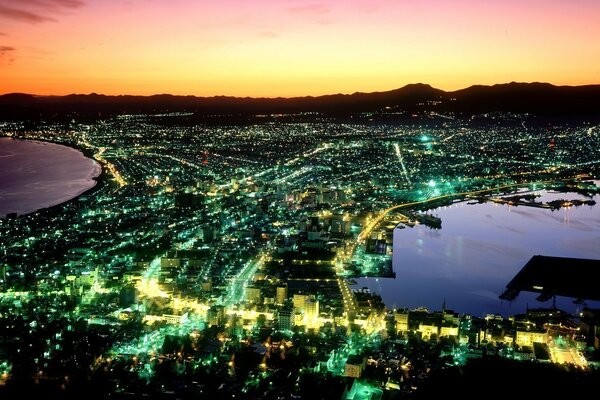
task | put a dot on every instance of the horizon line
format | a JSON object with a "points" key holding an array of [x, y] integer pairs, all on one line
{"points": [[298, 97]]}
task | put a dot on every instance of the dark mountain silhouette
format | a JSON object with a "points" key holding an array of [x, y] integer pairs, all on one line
{"points": [[536, 98]]}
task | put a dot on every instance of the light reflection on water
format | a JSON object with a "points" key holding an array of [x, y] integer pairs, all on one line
{"points": [[479, 250], [35, 175]]}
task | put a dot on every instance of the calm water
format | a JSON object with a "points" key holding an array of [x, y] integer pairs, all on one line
{"points": [[479, 250], [36, 175]]}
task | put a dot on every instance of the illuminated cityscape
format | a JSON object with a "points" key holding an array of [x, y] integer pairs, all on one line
{"points": [[299, 199], [219, 260]]}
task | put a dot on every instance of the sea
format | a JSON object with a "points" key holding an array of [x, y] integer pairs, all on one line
{"points": [[36, 174], [480, 247]]}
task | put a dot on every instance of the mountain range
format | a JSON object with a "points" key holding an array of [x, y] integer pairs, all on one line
{"points": [[536, 98]]}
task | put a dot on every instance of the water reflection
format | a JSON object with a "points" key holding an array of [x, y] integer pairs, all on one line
{"points": [[478, 251], [35, 175]]}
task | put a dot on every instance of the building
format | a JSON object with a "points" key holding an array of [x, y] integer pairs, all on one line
{"points": [[528, 338], [427, 331], [234, 325], [300, 302], [215, 316], [311, 307], [128, 296], [338, 225], [449, 331], [166, 262], [209, 234], [206, 285], [401, 319], [355, 365], [286, 319], [281, 294], [253, 294], [362, 391]]}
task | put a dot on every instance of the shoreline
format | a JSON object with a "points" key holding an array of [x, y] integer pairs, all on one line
{"points": [[99, 180], [387, 287]]}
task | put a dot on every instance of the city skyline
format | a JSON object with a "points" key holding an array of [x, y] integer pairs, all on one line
{"points": [[292, 48]]}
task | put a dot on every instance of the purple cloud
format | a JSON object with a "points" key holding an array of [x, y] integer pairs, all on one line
{"points": [[36, 11], [5, 54], [22, 15], [51, 4]]}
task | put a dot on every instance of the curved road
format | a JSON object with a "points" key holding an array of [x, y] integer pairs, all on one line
{"points": [[371, 225]]}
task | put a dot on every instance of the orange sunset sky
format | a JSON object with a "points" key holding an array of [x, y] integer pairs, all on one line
{"points": [[292, 47]]}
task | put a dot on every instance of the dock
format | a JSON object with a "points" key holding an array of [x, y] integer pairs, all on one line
{"points": [[557, 276]]}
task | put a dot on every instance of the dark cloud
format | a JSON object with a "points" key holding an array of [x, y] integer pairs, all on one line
{"points": [[22, 15], [6, 54], [36, 11], [52, 4]]}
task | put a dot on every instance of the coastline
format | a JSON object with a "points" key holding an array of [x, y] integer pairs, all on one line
{"points": [[454, 255], [99, 179]]}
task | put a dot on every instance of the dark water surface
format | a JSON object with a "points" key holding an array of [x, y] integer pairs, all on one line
{"points": [[36, 175], [479, 250]]}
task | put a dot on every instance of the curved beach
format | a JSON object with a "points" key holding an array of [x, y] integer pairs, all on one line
{"points": [[36, 174]]}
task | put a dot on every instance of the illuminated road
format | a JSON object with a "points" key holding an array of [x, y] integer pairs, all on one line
{"points": [[288, 163], [364, 234], [236, 290], [151, 343], [179, 160], [401, 160], [148, 285], [308, 154], [567, 355], [110, 167], [350, 304]]}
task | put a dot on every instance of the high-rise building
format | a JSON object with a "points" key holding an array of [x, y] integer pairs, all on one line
{"points": [[401, 319], [253, 295], [234, 325], [311, 308], [286, 319], [215, 315], [338, 225], [299, 302], [281, 294]]}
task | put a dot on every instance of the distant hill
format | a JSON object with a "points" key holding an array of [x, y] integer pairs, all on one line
{"points": [[536, 98]]}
